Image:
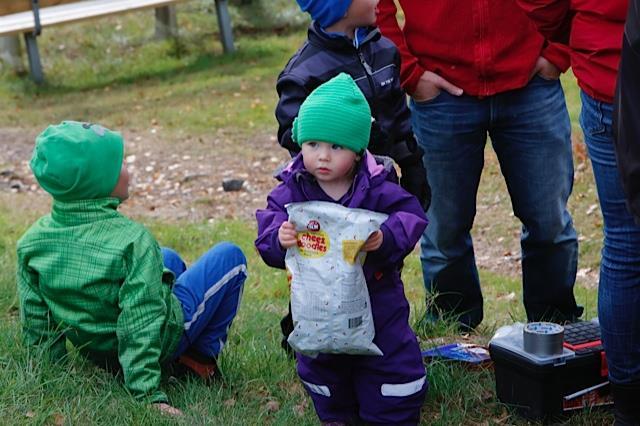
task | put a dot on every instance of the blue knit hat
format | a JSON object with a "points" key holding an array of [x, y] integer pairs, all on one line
{"points": [[325, 12]]}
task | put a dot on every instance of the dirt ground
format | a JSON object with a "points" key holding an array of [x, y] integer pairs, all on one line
{"points": [[172, 180], [181, 179]]}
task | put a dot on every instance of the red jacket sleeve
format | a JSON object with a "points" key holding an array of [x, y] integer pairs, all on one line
{"points": [[552, 18], [557, 54], [410, 69]]}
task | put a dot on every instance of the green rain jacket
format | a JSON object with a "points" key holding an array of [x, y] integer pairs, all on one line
{"points": [[88, 274]]}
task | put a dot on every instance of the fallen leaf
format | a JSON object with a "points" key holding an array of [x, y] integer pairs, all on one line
{"points": [[299, 410], [272, 406], [58, 419], [583, 272], [509, 296]]}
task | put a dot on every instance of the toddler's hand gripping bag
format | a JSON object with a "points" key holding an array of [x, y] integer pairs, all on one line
{"points": [[329, 297]]}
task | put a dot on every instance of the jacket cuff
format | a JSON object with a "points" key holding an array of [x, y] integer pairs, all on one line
{"points": [[410, 82], [279, 252], [407, 153], [157, 397], [557, 54], [384, 253]]}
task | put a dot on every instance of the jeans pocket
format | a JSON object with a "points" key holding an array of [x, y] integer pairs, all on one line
{"points": [[595, 129], [595, 117], [428, 101], [591, 120], [544, 79]]}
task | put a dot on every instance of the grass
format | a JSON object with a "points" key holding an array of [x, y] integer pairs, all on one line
{"points": [[184, 83], [112, 71], [260, 385]]}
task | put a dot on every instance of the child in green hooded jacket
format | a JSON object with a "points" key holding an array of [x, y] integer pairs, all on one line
{"points": [[89, 275]]}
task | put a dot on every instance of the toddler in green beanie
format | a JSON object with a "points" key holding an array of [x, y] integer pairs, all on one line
{"points": [[89, 275], [334, 166], [332, 130]]}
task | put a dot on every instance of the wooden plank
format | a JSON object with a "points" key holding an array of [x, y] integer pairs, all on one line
{"points": [[77, 11], [8, 7]]}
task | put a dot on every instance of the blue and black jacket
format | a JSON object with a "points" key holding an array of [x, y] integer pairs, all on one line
{"points": [[373, 61]]}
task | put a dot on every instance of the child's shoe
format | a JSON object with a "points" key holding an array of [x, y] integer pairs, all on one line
{"points": [[197, 365]]}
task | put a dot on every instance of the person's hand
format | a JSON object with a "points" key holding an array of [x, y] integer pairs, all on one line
{"points": [[167, 409], [545, 69], [374, 241], [287, 235], [430, 85], [414, 181]]}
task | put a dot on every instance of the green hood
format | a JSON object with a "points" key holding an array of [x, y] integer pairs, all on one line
{"points": [[77, 161]]}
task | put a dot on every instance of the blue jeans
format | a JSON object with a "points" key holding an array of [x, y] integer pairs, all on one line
{"points": [[210, 292], [619, 289], [530, 133]]}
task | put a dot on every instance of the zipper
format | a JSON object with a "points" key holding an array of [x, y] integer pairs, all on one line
{"points": [[369, 74]]}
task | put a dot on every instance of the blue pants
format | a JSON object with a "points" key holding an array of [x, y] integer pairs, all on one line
{"points": [[530, 133], [619, 290], [210, 292]]}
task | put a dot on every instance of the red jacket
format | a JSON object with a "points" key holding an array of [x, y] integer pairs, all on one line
{"points": [[483, 46], [594, 31]]}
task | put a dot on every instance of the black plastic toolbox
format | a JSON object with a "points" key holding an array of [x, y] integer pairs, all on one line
{"points": [[544, 388]]}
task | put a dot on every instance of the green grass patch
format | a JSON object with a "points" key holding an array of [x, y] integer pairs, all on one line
{"points": [[113, 71], [260, 385]]}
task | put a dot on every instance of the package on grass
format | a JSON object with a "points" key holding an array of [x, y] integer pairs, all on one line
{"points": [[329, 297]]}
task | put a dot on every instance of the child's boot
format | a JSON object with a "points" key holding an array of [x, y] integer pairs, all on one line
{"points": [[198, 365]]}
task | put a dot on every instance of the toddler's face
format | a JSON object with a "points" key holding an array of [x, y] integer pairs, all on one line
{"points": [[362, 13], [328, 162], [121, 190]]}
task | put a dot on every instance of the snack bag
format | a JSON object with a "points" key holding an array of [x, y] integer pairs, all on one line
{"points": [[329, 296]]}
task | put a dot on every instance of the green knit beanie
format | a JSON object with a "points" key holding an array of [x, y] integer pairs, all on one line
{"points": [[77, 161], [335, 112]]}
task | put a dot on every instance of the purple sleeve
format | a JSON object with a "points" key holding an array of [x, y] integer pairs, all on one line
{"points": [[269, 221], [402, 230]]}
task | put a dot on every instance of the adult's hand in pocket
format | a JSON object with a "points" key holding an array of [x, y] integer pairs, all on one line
{"points": [[431, 84], [545, 69]]}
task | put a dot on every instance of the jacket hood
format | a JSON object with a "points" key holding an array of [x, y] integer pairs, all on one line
{"points": [[372, 169], [319, 38]]}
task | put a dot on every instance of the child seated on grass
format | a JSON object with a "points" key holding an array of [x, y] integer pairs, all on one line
{"points": [[332, 130], [92, 276]]}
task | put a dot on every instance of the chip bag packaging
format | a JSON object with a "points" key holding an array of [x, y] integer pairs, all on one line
{"points": [[329, 298]]}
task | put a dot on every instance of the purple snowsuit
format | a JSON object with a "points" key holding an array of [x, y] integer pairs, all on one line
{"points": [[388, 389]]}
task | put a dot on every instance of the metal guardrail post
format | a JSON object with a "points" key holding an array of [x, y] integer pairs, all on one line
{"points": [[32, 45], [224, 23]]}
